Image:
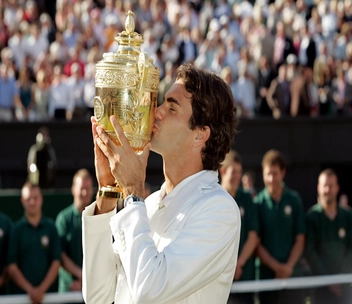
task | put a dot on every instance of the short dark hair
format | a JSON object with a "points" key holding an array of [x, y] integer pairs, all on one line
{"points": [[273, 158], [213, 106]]}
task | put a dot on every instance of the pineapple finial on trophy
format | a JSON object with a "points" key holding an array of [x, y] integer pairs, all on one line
{"points": [[129, 23]]}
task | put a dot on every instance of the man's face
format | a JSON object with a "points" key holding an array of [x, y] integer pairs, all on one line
{"points": [[273, 177], [232, 175], [171, 132], [32, 201], [82, 191], [328, 188]]}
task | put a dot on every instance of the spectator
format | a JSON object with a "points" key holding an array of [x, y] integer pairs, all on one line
{"points": [[59, 96], [69, 228], [300, 89], [34, 251], [231, 172], [339, 86], [41, 91], [307, 48], [329, 240], [265, 78], [35, 44], [42, 160], [76, 109], [279, 95], [5, 231], [283, 45], [25, 110], [9, 93], [58, 49], [248, 183], [281, 230], [245, 93], [166, 83]]}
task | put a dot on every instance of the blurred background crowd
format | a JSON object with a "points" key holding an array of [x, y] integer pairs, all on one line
{"points": [[281, 58]]}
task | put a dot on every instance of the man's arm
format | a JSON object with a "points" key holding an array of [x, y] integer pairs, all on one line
{"points": [[38, 292], [295, 254], [267, 259], [247, 250], [71, 267], [18, 277]]}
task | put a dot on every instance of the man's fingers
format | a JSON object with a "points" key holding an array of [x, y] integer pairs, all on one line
{"points": [[119, 132], [106, 151]]}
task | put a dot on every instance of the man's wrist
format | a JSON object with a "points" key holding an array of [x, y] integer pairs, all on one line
{"points": [[130, 199], [110, 192]]}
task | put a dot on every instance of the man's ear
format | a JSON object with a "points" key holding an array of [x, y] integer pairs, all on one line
{"points": [[202, 135]]}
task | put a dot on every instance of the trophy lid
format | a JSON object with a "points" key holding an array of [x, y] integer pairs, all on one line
{"points": [[129, 40], [128, 67]]}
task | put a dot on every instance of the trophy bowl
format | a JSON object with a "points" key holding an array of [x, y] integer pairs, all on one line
{"points": [[126, 84]]}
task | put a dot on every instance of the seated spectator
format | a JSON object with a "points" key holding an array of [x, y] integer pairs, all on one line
{"points": [[34, 252]]}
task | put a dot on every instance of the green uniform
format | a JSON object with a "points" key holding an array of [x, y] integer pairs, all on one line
{"points": [[249, 222], [5, 230], [69, 228], [329, 242], [279, 224], [34, 249], [329, 250]]}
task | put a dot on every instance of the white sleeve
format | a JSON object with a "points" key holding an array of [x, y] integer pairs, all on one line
{"points": [[100, 265], [199, 252]]}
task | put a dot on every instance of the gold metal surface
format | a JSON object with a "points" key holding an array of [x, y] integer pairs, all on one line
{"points": [[126, 85]]}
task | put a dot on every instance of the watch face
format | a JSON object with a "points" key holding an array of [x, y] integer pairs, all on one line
{"points": [[132, 198]]}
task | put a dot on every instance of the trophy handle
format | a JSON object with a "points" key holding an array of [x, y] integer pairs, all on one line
{"points": [[143, 67]]}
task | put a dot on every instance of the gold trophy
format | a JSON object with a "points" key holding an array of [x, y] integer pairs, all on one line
{"points": [[126, 85]]}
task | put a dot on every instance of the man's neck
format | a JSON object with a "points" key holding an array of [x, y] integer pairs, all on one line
{"points": [[277, 193], [329, 208], [34, 220], [176, 172]]}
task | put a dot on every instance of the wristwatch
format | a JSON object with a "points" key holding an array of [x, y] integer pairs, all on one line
{"points": [[130, 199], [109, 192]]}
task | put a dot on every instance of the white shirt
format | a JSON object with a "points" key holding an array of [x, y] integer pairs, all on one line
{"points": [[178, 248]]}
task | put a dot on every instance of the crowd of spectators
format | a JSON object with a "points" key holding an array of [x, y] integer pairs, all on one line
{"points": [[281, 58]]}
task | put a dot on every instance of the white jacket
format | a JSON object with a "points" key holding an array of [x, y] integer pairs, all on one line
{"points": [[178, 248]]}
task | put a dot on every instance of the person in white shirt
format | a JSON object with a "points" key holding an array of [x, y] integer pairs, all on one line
{"points": [[59, 96], [180, 245]]}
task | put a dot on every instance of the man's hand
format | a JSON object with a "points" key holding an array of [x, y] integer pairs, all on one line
{"points": [[102, 167], [36, 295], [336, 290], [76, 285], [283, 271], [127, 167], [238, 273]]}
